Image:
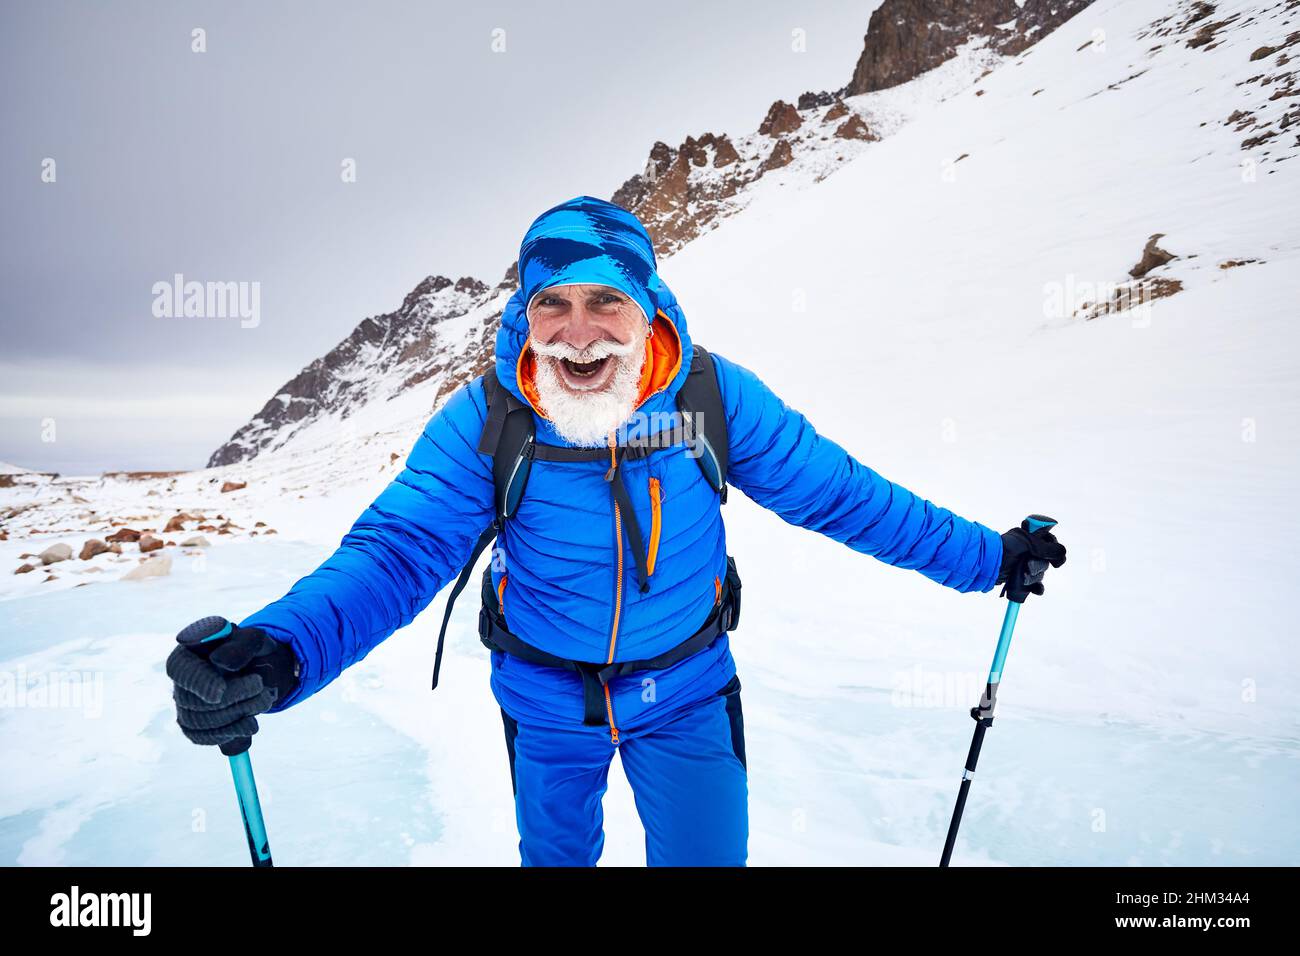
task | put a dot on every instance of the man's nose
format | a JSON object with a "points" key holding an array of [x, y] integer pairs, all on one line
{"points": [[582, 328]]}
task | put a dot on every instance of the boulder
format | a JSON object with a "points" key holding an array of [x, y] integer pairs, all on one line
{"points": [[781, 155], [123, 536], [838, 111], [1152, 257], [149, 543], [230, 486], [91, 548], [855, 128], [153, 568], [25, 568], [198, 541], [176, 523], [781, 118], [55, 553]]}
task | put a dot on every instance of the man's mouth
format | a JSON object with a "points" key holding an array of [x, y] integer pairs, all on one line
{"points": [[584, 370]]}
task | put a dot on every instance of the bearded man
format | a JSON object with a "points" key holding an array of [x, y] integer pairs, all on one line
{"points": [[611, 595]]}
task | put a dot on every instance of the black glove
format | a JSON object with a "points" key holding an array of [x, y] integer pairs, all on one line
{"points": [[223, 675], [1025, 557]]}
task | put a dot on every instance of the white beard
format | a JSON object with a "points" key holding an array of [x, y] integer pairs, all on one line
{"points": [[587, 418]]}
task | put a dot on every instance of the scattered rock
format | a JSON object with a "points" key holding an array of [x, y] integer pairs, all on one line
{"points": [[176, 523], [115, 548], [781, 155], [198, 541], [724, 153], [260, 524], [1263, 52], [837, 111], [91, 548], [25, 568], [153, 568], [781, 118], [1152, 257], [269, 531], [55, 553], [812, 101], [123, 535], [855, 128], [230, 486], [149, 543]]}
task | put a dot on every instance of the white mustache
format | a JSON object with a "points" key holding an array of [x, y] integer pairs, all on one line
{"points": [[592, 353]]}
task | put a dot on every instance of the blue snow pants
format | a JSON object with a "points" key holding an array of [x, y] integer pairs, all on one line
{"points": [[687, 776]]}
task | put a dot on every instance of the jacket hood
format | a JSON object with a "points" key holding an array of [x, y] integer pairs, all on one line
{"points": [[587, 240]]}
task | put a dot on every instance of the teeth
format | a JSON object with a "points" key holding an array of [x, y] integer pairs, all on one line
{"points": [[584, 368]]}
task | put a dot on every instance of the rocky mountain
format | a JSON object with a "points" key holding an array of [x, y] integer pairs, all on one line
{"points": [[905, 38], [444, 330]]}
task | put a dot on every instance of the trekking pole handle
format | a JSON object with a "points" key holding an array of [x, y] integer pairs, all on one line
{"points": [[200, 638], [1035, 523]]}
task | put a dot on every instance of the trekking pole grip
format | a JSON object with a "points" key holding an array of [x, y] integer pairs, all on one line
{"points": [[1024, 584]]}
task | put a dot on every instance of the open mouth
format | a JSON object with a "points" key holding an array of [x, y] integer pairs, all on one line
{"points": [[584, 370]]}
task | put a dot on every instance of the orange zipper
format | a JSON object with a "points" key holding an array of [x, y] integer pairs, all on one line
{"points": [[656, 523], [618, 595], [501, 597]]}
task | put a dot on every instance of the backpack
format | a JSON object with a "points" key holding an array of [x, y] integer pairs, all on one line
{"points": [[509, 436]]}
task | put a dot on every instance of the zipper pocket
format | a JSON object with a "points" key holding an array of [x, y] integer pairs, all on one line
{"points": [[656, 524]]}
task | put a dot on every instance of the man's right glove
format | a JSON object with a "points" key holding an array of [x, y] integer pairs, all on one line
{"points": [[223, 675], [1025, 557]]}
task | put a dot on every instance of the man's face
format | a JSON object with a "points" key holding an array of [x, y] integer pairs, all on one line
{"points": [[584, 330], [589, 343]]}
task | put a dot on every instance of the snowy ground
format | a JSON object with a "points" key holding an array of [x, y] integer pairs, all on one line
{"points": [[1149, 708]]}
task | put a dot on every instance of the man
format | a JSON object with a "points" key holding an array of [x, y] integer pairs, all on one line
{"points": [[611, 592]]}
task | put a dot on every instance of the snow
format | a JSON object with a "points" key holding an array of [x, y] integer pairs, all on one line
{"points": [[1148, 712]]}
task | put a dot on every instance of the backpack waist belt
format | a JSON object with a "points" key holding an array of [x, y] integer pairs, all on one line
{"points": [[495, 637]]}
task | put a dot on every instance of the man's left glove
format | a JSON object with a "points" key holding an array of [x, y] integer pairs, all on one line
{"points": [[223, 675], [1025, 557]]}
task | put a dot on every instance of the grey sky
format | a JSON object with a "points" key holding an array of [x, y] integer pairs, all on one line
{"points": [[225, 166]]}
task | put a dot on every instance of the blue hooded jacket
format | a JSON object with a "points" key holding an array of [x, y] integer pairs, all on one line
{"points": [[561, 572]]}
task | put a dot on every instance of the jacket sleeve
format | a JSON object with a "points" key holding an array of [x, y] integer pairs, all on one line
{"points": [[414, 538], [779, 460]]}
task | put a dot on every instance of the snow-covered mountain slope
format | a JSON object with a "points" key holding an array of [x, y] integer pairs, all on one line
{"points": [[442, 334], [928, 307]]}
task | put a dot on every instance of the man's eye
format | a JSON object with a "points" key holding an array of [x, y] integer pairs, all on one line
{"points": [[608, 298]]}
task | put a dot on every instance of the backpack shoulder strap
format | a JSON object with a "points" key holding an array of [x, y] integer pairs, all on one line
{"points": [[700, 402], [508, 436]]}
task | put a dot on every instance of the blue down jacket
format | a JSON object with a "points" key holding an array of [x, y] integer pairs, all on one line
{"points": [[559, 558]]}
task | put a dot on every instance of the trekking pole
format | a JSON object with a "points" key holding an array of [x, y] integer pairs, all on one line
{"points": [[198, 637], [983, 714], [250, 808]]}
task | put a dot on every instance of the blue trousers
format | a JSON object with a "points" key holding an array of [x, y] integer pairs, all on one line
{"points": [[687, 776]]}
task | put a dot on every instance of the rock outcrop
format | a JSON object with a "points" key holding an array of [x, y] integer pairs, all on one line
{"points": [[905, 38]]}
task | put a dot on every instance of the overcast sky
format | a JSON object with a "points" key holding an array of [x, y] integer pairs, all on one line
{"points": [[226, 165]]}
